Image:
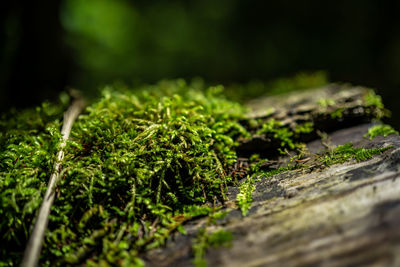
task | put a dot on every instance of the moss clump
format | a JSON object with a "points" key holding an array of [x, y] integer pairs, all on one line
{"points": [[326, 102], [135, 163], [305, 128], [273, 128], [347, 151], [337, 114], [380, 130], [374, 101], [139, 164], [28, 144]]}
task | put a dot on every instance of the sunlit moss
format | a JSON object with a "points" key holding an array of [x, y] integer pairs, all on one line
{"points": [[244, 198], [380, 130], [138, 165]]}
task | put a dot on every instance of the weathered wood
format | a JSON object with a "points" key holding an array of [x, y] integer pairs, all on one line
{"points": [[344, 215], [296, 109]]}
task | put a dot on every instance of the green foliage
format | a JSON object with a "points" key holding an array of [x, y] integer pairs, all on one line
{"points": [[28, 144], [374, 101], [142, 159], [139, 163], [137, 166], [273, 128], [347, 152], [380, 130], [244, 197], [338, 113], [326, 102], [305, 128]]}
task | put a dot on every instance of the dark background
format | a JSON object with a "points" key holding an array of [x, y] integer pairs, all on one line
{"points": [[49, 45]]}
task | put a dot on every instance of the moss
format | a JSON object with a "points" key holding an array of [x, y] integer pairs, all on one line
{"points": [[305, 128], [140, 163], [244, 198], [380, 130], [28, 144], [372, 99], [326, 102], [274, 129], [338, 113], [346, 152], [374, 102], [144, 157]]}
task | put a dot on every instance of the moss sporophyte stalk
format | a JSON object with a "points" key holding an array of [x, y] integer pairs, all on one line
{"points": [[138, 165]]}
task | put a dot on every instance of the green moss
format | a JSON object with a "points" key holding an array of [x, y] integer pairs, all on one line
{"points": [[305, 128], [244, 197], [338, 113], [374, 102], [326, 102], [28, 144], [273, 128], [347, 152], [144, 157], [139, 164], [372, 99], [380, 130]]}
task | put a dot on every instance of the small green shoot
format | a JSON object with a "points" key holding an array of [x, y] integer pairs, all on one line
{"points": [[244, 197]]}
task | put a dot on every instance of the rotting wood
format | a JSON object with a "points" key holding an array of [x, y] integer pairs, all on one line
{"points": [[33, 248]]}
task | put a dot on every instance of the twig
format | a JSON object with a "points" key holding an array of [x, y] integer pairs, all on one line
{"points": [[34, 246]]}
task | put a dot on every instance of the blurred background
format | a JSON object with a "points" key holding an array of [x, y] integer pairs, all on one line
{"points": [[47, 46]]}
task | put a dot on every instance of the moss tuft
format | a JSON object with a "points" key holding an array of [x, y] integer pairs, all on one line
{"points": [[274, 129], [244, 198], [347, 152], [380, 130]]}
